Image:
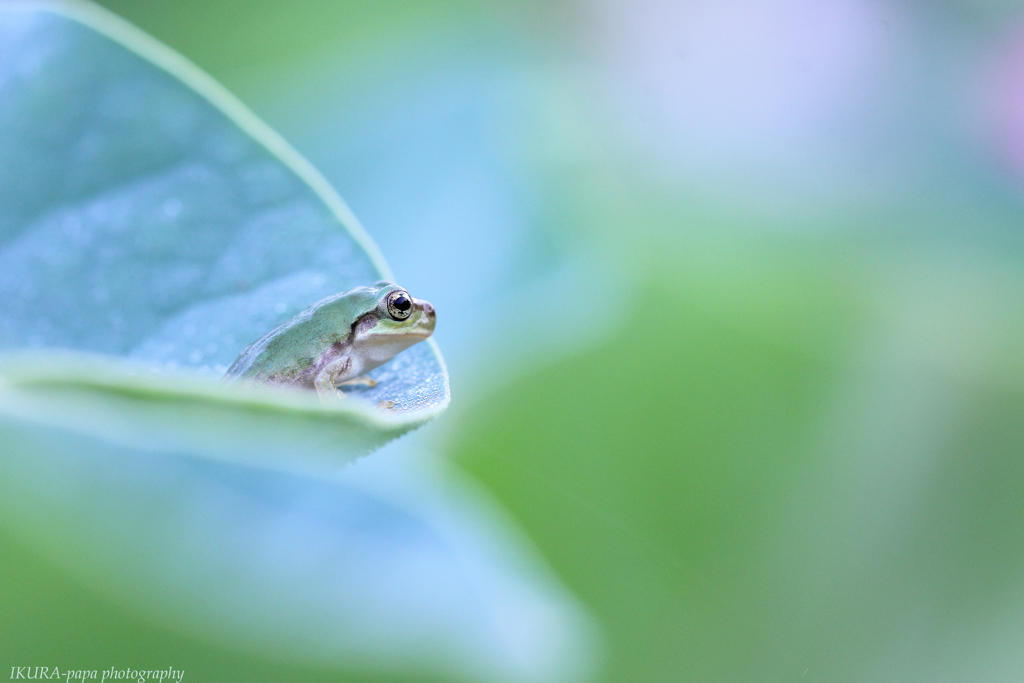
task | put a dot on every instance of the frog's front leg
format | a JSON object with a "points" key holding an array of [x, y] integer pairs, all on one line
{"points": [[325, 379]]}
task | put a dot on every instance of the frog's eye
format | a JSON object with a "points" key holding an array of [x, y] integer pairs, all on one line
{"points": [[399, 304]]}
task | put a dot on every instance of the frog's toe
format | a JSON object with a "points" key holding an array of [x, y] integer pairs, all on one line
{"points": [[386, 404], [330, 396], [364, 381]]}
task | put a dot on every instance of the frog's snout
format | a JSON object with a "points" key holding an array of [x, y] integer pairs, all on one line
{"points": [[429, 316]]}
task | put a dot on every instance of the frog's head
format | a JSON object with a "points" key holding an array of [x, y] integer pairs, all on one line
{"points": [[396, 322]]}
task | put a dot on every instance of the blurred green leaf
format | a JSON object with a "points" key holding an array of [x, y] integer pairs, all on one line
{"points": [[800, 465]]}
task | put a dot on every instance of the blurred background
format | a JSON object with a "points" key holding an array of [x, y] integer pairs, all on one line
{"points": [[731, 296]]}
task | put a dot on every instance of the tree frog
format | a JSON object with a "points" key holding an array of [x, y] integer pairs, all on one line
{"points": [[337, 340]]}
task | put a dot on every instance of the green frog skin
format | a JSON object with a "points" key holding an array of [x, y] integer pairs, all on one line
{"points": [[337, 340]]}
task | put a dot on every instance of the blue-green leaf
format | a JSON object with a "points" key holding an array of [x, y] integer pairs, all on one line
{"points": [[146, 216], [150, 228]]}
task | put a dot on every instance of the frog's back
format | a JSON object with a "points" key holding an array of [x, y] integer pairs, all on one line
{"points": [[291, 352], [279, 356]]}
